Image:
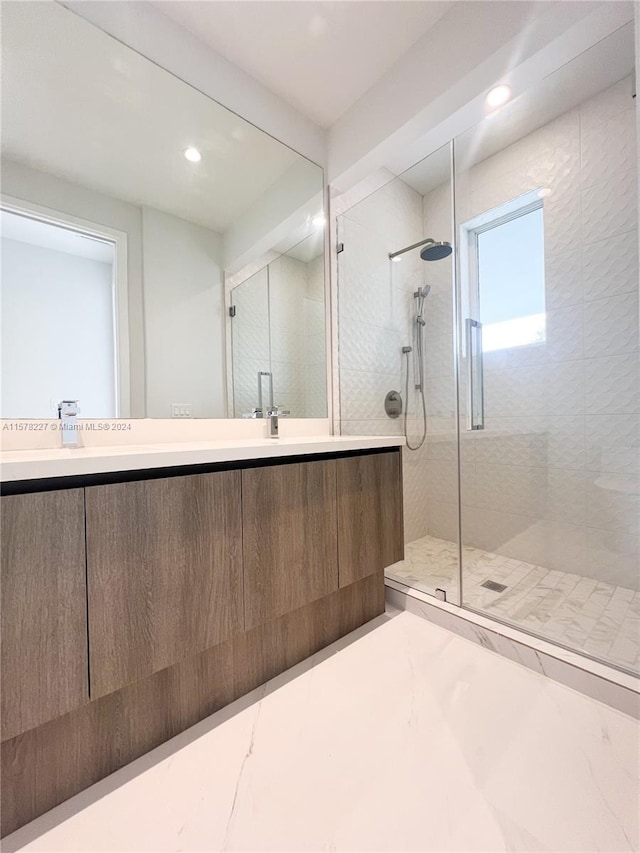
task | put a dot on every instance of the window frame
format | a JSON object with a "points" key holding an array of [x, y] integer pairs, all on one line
{"points": [[469, 232]]}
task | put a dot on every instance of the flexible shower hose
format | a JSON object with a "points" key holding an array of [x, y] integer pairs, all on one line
{"points": [[420, 365]]}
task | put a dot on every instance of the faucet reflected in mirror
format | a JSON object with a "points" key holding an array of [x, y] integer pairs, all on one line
{"points": [[258, 411], [272, 412]]}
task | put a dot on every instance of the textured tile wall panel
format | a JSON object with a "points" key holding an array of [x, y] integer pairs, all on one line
{"points": [[613, 503], [610, 266], [371, 348], [611, 325], [608, 149], [613, 443], [609, 208], [612, 385], [607, 104], [563, 279]]}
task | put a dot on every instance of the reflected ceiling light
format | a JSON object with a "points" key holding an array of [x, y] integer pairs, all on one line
{"points": [[396, 260], [545, 192], [498, 96], [319, 221], [192, 155]]}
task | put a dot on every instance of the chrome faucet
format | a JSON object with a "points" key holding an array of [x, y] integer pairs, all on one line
{"points": [[273, 413], [259, 411], [68, 416]]}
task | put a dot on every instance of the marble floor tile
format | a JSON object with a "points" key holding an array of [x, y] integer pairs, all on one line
{"points": [[401, 737], [585, 614]]}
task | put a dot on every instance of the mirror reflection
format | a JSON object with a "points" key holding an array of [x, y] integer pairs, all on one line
{"points": [[278, 336], [128, 199]]}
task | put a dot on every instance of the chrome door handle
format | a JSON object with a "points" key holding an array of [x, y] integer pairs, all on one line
{"points": [[475, 375]]}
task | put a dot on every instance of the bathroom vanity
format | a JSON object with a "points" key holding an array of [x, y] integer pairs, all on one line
{"points": [[138, 598]]}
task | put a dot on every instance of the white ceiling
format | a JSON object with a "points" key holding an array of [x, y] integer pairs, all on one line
{"points": [[23, 229], [592, 71], [79, 104], [320, 57]]}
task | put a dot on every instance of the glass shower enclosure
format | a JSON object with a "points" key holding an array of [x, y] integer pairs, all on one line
{"points": [[515, 357]]}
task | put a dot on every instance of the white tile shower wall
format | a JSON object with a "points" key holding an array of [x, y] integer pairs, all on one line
{"points": [[250, 341], [442, 445], [315, 343], [279, 326], [375, 311], [287, 289], [554, 478]]}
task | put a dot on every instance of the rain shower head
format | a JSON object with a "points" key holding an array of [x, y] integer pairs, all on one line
{"points": [[433, 250], [436, 251]]}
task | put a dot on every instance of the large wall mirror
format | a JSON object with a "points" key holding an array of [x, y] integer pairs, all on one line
{"points": [[137, 216]]}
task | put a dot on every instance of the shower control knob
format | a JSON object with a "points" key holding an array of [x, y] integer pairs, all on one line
{"points": [[393, 404]]}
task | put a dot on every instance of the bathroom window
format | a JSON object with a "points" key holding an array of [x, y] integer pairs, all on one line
{"points": [[506, 274]]}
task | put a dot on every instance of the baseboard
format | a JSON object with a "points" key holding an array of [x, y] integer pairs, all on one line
{"points": [[605, 684]]}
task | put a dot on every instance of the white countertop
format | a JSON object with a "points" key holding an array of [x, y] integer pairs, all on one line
{"points": [[38, 464]]}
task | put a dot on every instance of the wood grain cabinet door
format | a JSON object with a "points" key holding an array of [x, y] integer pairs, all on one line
{"points": [[44, 608], [164, 573], [290, 537], [370, 526]]}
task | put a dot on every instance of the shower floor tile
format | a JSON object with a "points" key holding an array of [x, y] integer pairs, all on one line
{"points": [[582, 613]]}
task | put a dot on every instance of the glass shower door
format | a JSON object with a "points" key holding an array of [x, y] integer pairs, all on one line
{"points": [[396, 344], [251, 346], [549, 401]]}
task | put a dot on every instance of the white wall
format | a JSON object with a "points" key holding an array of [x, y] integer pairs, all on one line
{"points": [[184, 305], [49, 191], [57, 333]]}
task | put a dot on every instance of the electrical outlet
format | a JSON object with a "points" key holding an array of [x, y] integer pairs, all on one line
{"points": [[181, 410]]}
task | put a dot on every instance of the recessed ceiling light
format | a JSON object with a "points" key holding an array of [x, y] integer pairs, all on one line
{"points": [[319, 221], [192, 155], [499, 95]]}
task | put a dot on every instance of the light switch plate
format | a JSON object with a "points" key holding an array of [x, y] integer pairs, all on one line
{"points": [[181, 410]]}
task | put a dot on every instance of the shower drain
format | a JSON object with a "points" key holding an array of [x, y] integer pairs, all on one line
{"points": [[494, 586]]}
